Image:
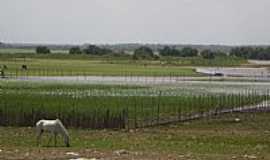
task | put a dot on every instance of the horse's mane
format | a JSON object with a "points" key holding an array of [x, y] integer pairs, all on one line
{"points": [[62, 126]]}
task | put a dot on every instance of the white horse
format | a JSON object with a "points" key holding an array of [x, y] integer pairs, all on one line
{"points": [[53, 126]]}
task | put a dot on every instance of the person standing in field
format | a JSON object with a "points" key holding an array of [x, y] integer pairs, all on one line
{"points": [[2, 73]]}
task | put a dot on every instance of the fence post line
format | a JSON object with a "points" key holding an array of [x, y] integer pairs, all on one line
{"points": [[135, 114], [158, 109]]}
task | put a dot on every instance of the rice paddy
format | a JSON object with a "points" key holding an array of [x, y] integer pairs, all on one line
{"points": [[110, 106]]}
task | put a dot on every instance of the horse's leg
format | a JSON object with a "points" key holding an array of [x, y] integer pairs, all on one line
{"points": [[66, 139], [39, 137], [50, 139], [55, 139]]}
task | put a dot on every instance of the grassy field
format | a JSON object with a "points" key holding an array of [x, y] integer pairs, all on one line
{"points": [[219, 138], [51, 67], [63, 64], [82, 106]]}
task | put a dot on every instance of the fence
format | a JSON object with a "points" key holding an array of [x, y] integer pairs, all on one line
{"points": [[108, 108]]}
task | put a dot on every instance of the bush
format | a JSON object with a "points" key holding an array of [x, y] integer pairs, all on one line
{"points": [[220, 54], [42, 50], [259, 53], [167, 51], [143, 53], [75, 50], [207, 54], [189, 52], [95, 50]]}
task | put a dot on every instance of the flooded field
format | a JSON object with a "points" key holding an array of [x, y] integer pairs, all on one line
{"points": [[235, 72], [130, 80], [259, 62], [151, 86]]}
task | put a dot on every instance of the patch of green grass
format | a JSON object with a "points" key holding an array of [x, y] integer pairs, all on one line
{"points": [[28, 86], [219, 138], [64, 64], [64, 67]]}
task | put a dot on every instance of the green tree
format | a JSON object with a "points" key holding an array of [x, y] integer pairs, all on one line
{"points": [[168, 51], [75, 50], [42, 50], [207, 54], [143, 53], [95, 50], [260, 53], [189, 52], [220, 54], [92, 49], [244, 52]]}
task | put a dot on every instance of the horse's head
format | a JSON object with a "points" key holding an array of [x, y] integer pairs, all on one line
{"points": [[67, 141], [68, 145]]}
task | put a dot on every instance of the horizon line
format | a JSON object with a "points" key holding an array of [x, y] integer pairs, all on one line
{"points": [[134, 43]]}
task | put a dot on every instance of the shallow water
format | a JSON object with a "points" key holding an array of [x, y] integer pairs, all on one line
{"points": [[237, 72], [172, 86], [142, 80]]}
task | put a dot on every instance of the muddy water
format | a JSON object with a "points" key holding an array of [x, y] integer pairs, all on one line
{"points": [[235, 72]]}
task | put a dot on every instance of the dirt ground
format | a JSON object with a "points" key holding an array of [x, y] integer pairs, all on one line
{"points": [[89, 154], [84, 154]]}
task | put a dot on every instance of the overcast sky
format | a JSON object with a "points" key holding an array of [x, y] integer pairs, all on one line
{"points": [[232, 22]]}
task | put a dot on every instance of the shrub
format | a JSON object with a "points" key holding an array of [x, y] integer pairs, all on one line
{"points": [[75, 50], [42, 50], [207, 54], [167, 51], [189, 52], [143, 53], [95, 50]]}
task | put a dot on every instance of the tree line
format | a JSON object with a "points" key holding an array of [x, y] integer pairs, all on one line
{"points": [[145, 52], [258, 53]]}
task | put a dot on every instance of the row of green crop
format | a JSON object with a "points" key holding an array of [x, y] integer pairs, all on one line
{"points": [[76, 89], [19, 72], [30, 87], [25, 108], [127, 59]]}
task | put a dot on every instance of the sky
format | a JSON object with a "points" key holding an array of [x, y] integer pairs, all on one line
{"points": [[227, 22]]}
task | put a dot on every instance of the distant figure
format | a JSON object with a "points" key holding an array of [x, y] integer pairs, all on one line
{"points": [[24, 67], [5, 67], [2, 73], [54, 127]]}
